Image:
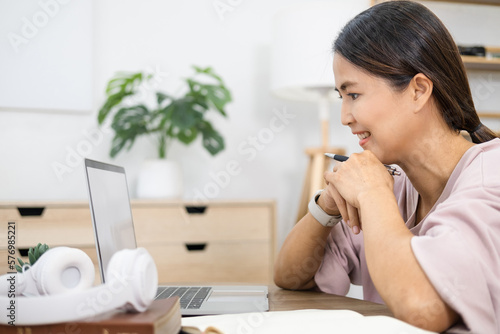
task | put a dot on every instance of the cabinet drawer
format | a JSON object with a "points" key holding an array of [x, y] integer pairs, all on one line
{"points": [[212, 223], [217, 263], [54, 226]]}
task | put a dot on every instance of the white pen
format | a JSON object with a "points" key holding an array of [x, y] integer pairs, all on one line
{"points": [[338, 157]]}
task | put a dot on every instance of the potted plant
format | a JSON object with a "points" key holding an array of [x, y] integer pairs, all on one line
{"points": [[170, 118]]}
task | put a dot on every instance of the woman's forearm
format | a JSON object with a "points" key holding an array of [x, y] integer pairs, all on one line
{"points": [[301, 255], [394, 269]]}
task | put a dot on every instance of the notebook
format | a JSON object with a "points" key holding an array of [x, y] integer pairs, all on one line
{"points": [[114, 230]]}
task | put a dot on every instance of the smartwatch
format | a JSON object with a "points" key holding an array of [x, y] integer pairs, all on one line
{"points": [[321, 216]]}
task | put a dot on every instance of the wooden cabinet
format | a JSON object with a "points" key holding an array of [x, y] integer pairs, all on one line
{"points": [[218, 242], [226, 241]]}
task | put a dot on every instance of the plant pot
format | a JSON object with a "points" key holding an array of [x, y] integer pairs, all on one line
{"points": [[160, 179]]}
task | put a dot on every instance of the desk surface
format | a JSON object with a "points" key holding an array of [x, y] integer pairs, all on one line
{"points": [[286, 300]]}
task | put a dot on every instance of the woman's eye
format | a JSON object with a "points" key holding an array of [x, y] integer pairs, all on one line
{"points": [[354, 96]]}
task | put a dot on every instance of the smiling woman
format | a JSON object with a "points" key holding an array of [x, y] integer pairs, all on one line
{"points": [[426, 243]]}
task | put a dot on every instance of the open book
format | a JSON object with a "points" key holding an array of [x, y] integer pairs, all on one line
{"points": [[303, 321]]}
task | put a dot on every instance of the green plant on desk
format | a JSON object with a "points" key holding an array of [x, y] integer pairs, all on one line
{"points": [[173, 118], [34, 254]]}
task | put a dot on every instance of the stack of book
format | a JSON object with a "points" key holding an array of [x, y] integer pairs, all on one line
{"points": [[163, 316]]}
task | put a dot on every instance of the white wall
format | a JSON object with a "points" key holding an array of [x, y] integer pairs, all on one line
{"points": [[170, 36]]}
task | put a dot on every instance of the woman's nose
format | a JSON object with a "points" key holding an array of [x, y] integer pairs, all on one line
{"points": [[345, 115]]}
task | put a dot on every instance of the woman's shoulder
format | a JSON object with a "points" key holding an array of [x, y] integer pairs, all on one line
{"points": [[480, 164], [490, 148], [491, 161]]}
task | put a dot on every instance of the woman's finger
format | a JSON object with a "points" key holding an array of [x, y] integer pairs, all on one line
{"points": [[354, 222], [339, 200]]}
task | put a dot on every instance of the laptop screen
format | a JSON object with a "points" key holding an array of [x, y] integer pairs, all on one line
{"points": [[110, 210]]}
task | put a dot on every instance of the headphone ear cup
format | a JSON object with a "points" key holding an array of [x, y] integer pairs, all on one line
{"points": [[61, 270], [134, 267]]}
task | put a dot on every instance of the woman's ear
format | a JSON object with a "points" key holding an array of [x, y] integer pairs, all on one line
{"points": [[421, 90]]}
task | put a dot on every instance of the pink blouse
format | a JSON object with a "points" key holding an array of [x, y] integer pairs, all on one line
{"points": [[457, 244]]}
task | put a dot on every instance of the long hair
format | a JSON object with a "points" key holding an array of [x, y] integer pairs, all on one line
{"points": [[396, 40]]}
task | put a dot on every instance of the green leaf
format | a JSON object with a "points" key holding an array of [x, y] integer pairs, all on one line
{"points": [[206, 94], [31, 256], [212, 140], [208, 71], [187, 136], [110, 103], [184, 115], [165, 116], [160, 97], [123, 84], [117, 145], [18, 269], [129, 123], [43, 249], [219, 96]]}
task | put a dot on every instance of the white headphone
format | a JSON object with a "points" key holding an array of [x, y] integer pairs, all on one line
{"points": [[57, 288]]}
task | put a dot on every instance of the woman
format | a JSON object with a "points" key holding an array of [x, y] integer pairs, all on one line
{"points": [[427, 242]]}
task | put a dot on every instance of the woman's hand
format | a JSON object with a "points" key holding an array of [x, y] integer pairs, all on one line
{"points": [[362, 175]]}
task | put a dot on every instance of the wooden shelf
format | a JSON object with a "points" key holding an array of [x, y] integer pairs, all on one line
{"points": [[495, 115], [481, 63]]}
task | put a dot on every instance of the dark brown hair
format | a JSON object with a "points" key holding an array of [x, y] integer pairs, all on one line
{"points": [[396, 40]]}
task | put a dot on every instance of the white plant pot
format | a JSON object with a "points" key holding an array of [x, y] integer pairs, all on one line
{"points": [[160, 179]]}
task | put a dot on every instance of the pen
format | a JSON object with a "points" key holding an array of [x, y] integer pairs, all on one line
{"points": [[338, 157]]}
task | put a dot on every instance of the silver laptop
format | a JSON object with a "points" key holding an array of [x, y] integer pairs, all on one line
{"points": [[114, 230]]}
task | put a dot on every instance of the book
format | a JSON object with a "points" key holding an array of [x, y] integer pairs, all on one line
{"points": [[162, 317], [298, 321]]}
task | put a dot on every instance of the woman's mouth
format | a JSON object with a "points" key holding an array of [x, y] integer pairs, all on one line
{"points": [[363, 137]]}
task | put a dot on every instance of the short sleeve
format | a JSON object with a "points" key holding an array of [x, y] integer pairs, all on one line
{"points": [[341, 263], [458, 248]]}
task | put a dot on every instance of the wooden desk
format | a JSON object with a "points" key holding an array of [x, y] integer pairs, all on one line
{"points": [[286, 300]]}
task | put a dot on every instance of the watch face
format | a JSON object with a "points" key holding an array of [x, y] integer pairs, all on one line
{"points": [[332, 222]]}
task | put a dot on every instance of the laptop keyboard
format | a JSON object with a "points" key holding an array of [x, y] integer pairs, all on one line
{"points": [[189, 297]]}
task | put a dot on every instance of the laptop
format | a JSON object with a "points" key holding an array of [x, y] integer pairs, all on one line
{"points": [[114, 230]]}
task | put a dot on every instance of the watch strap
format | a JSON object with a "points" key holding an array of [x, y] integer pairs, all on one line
{"points": [[321, 216]]}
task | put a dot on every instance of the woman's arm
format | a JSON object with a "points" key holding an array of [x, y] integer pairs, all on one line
{"points": [[302, 253], [394, 269]]}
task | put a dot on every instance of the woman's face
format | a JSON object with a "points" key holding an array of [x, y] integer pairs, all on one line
{"points": [[377, 114]]}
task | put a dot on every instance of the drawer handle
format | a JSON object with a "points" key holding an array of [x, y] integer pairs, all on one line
{"points": [[23, 251], [196, 247], [30, 211], [197, 210]]}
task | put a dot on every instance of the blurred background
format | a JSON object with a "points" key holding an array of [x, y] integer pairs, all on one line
{"points": [[70, 49]]}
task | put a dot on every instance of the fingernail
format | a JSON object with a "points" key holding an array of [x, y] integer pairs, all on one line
{"points": [[355, 229], [348, 223]]}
